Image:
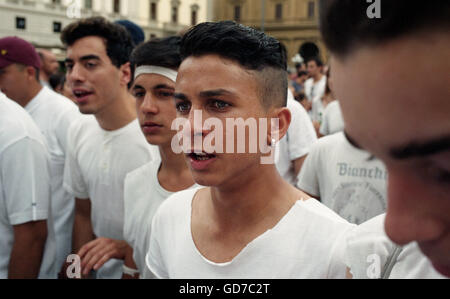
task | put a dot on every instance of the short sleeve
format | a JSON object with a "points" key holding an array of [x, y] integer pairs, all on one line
{"points": [[26, 181], [73, 179], [154, 258], [308, 179]]}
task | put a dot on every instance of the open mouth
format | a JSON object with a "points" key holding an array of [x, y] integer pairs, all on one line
{"points": [[201, 156], [80, 94]]}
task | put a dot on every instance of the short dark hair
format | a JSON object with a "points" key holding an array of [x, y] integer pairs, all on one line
{"points": [[302, 73], [135, 31], [56, 80], [252, 49], [118, 41], [317, 60], [164, 52], [345, 24]]}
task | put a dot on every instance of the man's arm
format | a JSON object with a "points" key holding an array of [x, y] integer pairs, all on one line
{"points": [[28, 250], [130, 264], [83, 232]]}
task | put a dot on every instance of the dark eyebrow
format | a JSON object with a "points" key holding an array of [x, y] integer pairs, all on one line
{"points": [[137, 86], [421, 149], [160, 86], [214, 93], [87, 57], [180, 96]]}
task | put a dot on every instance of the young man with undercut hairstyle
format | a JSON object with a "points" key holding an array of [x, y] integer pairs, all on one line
{"points": [[156, 64], [392, 80], [248, 222], [105, 146]]}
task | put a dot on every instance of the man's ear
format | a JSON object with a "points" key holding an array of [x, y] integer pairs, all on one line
{"points": [[125, 74], [31, 73], [283, 115]]}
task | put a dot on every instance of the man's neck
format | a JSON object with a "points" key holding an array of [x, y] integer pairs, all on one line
{"points": [[317, 77], [43, 77], [174, 174], [263, 194], [119, 113], [172, 162], [33, 91]]}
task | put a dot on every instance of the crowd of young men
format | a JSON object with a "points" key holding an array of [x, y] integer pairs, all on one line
{"points": [[106, 182]]}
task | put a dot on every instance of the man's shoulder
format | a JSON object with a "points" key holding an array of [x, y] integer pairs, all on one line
{"points": [[15, 124], [59, 99], [140, 175], [177, 204], [314, 210], [311, 220], [334, 105], [82, 130], [309, 81], [330, 141]]}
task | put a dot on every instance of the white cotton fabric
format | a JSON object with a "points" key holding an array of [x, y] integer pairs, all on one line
{"points": [[24, 183], [344, 179], [368, 246], [152, 69], [306, 243], [143, 196], [53, 114], [314, 91], [96, 165], [332, 120], [297, 141]]}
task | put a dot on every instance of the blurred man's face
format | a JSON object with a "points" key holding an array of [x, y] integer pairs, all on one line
{"points": [[313, 69], [50, 64], [382, 98], [14, 82]]}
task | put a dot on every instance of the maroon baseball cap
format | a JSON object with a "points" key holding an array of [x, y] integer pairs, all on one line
{"points": [[17, 50]]}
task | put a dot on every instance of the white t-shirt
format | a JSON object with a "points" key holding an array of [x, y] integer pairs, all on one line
{"points": [[24, 183], [317, 110], [314, 91], [143, 196], [296, 143], [306, 243], [332, 120], [369, 248], [53, 114], [96, 165], [344, 179]]}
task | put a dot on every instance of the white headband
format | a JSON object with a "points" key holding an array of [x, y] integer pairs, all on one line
{"points": [[151, 69]]}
